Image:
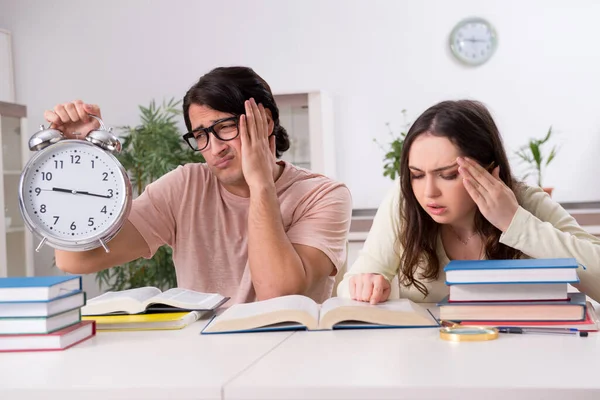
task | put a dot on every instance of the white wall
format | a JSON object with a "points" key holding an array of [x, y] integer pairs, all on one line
{"points": [[374, 57]]}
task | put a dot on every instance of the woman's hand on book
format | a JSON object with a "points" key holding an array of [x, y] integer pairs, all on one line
{"points": [[496, 201], [372, 288]]}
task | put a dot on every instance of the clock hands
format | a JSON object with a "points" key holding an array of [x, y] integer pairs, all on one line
{"points": [[55, 189], [473, 40]]}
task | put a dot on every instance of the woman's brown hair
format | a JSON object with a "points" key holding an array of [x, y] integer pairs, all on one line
{"points": [[470, 127]]}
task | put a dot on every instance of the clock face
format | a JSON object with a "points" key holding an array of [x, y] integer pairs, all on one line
{"points": [[473, 41], [74, 191]]}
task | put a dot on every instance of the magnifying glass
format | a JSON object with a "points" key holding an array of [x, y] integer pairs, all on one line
{"points": [[459, 333]]}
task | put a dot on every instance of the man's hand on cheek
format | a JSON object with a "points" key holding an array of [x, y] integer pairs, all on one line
{"points": [[258, 160]]}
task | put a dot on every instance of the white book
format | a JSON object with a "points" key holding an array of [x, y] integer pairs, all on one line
{"points": [[42, 308], [508, 292], [139, 300], [58, 340], [301, 312], [22, 325]]}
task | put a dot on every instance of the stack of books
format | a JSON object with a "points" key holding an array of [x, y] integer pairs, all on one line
{"points": [[516, 293], [42, 313], [148, 308]]}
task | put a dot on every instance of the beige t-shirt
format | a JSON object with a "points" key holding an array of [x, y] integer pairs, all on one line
{"points": [[206, 226], [541, 228]]}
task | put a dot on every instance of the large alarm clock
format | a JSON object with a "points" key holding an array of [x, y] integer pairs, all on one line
{"points": [[74, 193]]}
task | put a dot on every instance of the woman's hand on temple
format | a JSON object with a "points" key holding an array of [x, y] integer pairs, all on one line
{"points": [[496, 201], [372, 288]]}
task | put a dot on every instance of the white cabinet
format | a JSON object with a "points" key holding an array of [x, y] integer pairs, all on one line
{"points": [[7, 84], [16, 242], [308, 119]]}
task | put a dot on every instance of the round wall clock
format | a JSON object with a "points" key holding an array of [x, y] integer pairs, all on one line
{"points": [[473, 41]]}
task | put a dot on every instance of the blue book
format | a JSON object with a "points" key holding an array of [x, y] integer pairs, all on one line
{"points": [[523, 271], [29, 325], [42, 308], [38, 288], [296, 312]]}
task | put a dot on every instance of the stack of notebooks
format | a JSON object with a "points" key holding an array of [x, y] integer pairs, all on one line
{"points": [[42, 313], [148, 308], [516, 293]]}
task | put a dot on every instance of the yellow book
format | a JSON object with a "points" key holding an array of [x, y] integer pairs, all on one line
{"points": [[142, 322]]}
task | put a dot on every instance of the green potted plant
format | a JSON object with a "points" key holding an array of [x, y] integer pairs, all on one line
{"points": [[391, 160], [534, 154], [149, 151]]}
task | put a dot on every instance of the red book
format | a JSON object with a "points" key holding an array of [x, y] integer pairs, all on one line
{"points": [[589, 324], [57, 340]]}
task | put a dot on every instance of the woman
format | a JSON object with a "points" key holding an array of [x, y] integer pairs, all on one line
{"points": [[457, 199]]}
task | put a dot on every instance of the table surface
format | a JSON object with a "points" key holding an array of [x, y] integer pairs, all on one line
{"points": [[177, 364], [351, 364], [416, 364]]}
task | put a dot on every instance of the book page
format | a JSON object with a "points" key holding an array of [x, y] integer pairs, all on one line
{"points": [[292, 302], [188, 299], [400, 312], [129, 301], [245, 317], [335, 302]]}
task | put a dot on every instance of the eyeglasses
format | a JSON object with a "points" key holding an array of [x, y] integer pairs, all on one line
{"points": [[225, 129]]}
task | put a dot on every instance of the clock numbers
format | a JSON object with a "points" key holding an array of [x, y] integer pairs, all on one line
{"points": [[74, 192]]}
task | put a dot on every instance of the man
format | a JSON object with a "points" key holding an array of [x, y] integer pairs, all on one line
{"points": [[243, 224]]}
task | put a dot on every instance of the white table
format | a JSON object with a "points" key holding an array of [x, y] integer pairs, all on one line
{"points": [[360, 364], [416, 364], [179, 364]]}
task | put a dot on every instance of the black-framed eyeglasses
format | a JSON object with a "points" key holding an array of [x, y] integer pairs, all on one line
{"points": [[225, 129]]}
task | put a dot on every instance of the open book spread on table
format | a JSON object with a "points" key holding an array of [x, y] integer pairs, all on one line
{"points": [[296, 312], [151, 299], [143, 322]]}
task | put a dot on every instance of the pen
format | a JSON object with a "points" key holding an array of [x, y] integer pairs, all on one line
{"points": [[542, 331]]}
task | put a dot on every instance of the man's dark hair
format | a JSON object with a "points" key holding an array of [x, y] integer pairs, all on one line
{"points": [[226, 89]]}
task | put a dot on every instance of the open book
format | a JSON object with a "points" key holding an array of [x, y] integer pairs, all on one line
{"points": [[151, 299], [297, 312]]}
